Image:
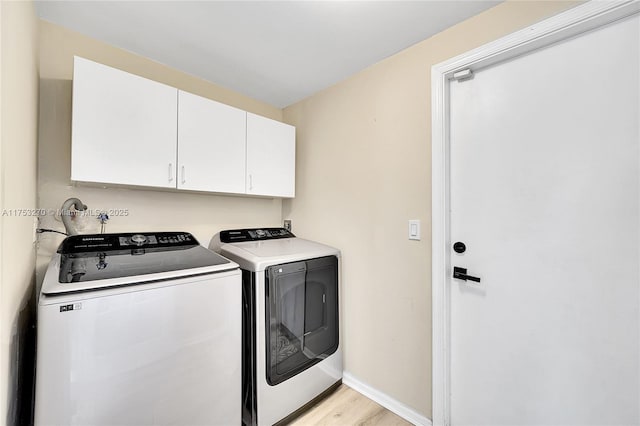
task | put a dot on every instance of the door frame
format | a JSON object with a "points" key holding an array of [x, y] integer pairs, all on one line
{"points": [[568, 24]]}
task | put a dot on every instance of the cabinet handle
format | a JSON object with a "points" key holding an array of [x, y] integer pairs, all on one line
{"points": [[250, 182], [170, 172], [183, 176]]}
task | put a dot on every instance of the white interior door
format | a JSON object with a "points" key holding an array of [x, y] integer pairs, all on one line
{"points": [[545, 165]]}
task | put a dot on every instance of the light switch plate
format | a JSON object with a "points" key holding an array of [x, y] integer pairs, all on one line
{"points": [[414, 229]]}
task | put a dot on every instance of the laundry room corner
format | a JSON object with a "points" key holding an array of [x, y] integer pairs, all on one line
{"points": [[153, 294]]}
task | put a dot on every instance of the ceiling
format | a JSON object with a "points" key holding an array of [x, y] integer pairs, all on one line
{"points": [[278, 52]]}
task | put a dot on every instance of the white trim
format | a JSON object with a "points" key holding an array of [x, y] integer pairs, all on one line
{"points": [[385, 400], [439, 256], [568, 24], [564, 25]]}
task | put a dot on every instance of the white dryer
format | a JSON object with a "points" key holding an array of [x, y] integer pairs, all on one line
{"points": [[291, 331], [138, 329]]}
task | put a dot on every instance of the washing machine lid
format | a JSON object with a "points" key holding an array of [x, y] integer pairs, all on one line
{"points": [[89, 262]]}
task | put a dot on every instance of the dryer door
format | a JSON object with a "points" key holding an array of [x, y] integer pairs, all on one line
{"points": [[302, 316]]}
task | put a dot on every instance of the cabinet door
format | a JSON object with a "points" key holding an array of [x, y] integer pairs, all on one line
{"points": [[124, 127], [211, 145], [271, 157]]}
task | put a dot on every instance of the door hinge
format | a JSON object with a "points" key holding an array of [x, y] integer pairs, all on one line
{"points": [[463, 75]]}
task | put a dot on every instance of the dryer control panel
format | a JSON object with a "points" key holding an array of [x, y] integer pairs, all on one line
{"points": [[256, 234]]}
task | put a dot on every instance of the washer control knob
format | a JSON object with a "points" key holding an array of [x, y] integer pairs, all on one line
{"points": [[138, 239], [260, 233]]}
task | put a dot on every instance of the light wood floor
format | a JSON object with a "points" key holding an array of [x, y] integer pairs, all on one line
{"points": [[346, 407]]}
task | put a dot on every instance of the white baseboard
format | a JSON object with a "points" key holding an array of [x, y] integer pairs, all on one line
{"points": [[385, 400]]}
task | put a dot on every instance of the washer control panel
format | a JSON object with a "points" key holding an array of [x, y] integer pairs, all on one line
{"points": [[255, 234], [105, 242]]}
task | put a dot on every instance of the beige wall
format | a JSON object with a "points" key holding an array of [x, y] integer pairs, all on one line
{"points": [[149, 210], [18, 130], [363, 170]]}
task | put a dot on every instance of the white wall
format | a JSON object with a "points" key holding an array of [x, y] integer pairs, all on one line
{"points": [[363, 170], [18, 130]]}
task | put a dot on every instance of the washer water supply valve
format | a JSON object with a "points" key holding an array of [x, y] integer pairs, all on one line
{"points": [[103, 218]]}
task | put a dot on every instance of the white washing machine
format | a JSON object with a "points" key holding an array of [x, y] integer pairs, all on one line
{"points": [[291, 331], [139, 329]]}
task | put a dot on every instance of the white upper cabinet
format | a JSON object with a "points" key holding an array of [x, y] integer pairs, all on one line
{"points": [[211, 145], [124, 127], [130, 130], [271, 156]]}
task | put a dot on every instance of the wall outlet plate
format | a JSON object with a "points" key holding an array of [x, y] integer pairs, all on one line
{"points": [[287, 225]]}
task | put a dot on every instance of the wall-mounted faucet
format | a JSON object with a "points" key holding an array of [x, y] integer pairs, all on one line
{"points": [[65, 212]]}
